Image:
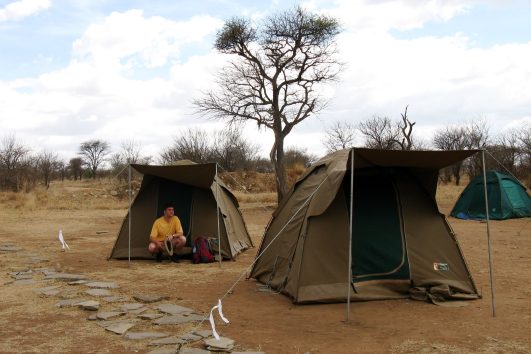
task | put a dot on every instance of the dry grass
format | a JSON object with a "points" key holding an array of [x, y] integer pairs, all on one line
{"points": [[68, 195]]}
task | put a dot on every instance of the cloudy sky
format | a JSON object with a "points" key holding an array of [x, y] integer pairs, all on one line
{"points": [[75, 70]]}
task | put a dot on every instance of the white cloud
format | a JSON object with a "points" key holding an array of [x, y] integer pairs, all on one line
{"points": [[18, 10], [133, 76]]}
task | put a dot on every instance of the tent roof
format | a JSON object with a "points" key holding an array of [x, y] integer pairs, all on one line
{"points": [[198, 175], [408, 158]]}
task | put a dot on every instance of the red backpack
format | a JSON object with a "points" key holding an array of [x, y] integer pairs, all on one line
{"points": [[201, 251]]}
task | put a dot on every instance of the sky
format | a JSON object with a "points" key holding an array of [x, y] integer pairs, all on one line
{"points": [[77, 70]]}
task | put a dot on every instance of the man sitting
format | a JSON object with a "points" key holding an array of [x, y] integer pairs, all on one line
{"points": [[167, 228]]}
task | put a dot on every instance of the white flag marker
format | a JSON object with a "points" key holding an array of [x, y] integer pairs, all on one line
{"points": [[64, 245], [212, 324]]}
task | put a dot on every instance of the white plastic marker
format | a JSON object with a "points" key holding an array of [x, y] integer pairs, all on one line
{"points": [[212, 324], [62, 240]]}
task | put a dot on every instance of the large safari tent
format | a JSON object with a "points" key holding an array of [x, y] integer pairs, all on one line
{"points": [[363, 224], [204, 205]]}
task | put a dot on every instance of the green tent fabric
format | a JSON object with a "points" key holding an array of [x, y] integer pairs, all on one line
{"points": [[507, 199], [400, 240], [196, 193]]}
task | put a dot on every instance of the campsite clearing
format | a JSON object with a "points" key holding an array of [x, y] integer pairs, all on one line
{"points": [[260, 320]]}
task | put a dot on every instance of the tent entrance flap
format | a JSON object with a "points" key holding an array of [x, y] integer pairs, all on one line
{"points": [[181, 196], [378, 246]]}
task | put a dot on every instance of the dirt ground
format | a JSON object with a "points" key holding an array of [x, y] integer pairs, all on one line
{"points": [[260, 321]]}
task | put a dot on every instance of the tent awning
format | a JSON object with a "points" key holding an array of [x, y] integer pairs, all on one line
{"points": [[197, 175], [409, 158]]}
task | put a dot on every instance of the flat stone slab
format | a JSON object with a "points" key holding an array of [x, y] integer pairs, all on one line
{"points": [[50, 292], [102, 285], [48, 288], [138, 311], [150, 316], [173, 309], [115, 298], [190, 337], [119, 327], [223, 343], [92, 317], [78, 282], [24, 282], [28, 272], [205, 333], [9, 248], [194, 351], [69, 302], [147, 299], [89, 305], [166, 341], [22, 276], [177, 319], [164, 351], [65, 276], [37, 259], [107, 315], [98, 292], [144, 335], [132, 306]]}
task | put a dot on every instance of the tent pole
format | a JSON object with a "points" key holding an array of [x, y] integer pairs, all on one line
{"points": [[349, 282], [217, 214], [129, 218], [488, 233]]}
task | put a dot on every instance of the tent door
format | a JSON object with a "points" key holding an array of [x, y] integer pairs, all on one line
{"points": [[179, 194], [378, 243]]}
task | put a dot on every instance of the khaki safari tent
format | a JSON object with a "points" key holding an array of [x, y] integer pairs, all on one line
{"points": [[508, 199], [197, 194], [388, 233]]}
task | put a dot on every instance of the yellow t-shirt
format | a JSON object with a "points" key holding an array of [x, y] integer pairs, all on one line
{"points": [[161, 228]]}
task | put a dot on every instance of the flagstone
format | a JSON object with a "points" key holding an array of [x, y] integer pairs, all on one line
{"points": [[98, 292], [132, 306], [103, 285], [177, 319], [24, 282], [119, 328], [109, 314], [205, 333], [65, 276], [144, 335], [194, 351], [165, 351], [89, 305], [145, 298], [173, 309], [150, 316], [78, 282], [190, 337], [115, 298], [69, 302], [222, 343], [166, 341]]}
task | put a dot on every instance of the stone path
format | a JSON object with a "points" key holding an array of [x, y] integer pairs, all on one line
{"points": [[116, 313]]}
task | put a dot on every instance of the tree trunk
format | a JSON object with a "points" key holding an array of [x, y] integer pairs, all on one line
{"points": [[277, 159]]}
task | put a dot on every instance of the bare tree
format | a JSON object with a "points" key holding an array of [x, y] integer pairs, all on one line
{"points": [[75, 165], [191, 144], [338, 136], [47, 163], [94, 153], [299, 156], [14, 160], [274, 79], [380, 133], [406, 143], [471, 135], [232, 151]]}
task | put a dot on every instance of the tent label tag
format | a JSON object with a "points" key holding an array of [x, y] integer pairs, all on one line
{"points": [[441, 266]]}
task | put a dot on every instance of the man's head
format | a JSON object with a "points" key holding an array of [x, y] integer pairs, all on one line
{"points": [[168, 210]]}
